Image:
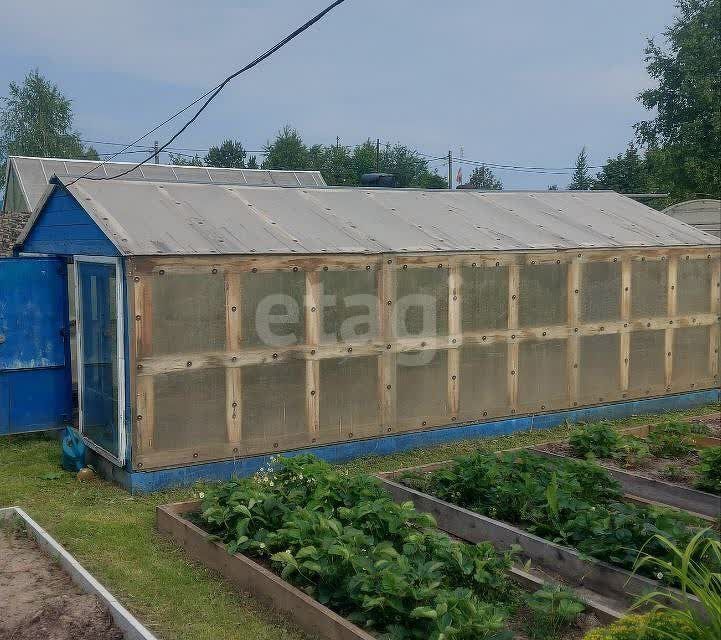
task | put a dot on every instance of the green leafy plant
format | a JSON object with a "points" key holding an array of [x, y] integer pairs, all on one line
{"points": [[675, 473], [694, 568], [657, 625], [343, 540], [571, 502], [554, 609], [598, 439], [631, 452], [709, 470], [671, 440]]}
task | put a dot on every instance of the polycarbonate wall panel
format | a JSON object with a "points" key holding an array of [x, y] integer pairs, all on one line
{"points": [[273, 401], [483, 381], [484, 298], [600, 291], [543, 295], [646, 361], [273, 309], [421, 306], [349, 304], [227, 362], [693, 286], [690, 355], [542, 375], [189, 410], [188, 313], [421, 388], [599, 368], [348, 398], [648, 288]]}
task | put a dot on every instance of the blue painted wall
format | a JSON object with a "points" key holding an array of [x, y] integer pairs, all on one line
{"points": [[35, 380], [64, 228]]}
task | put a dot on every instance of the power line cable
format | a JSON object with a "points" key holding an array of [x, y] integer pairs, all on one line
{"points": [[214, 92]]}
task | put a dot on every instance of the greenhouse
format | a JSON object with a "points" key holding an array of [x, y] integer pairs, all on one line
{"points": [[222, 322]]}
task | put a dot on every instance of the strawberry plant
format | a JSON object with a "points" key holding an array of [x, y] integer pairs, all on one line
{"points": [[598, 439], [343, 540], [554, 609], [709, 470], [571, 502], [671, 440]]}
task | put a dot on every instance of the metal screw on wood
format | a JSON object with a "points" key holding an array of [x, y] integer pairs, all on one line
{"points": [[188, 364]]}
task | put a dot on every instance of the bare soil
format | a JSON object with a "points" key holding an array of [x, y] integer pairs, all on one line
{"points": [[677, 471], [39, 600]]}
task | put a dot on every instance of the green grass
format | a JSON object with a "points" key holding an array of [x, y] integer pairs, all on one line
{"points": [[111, 533]]}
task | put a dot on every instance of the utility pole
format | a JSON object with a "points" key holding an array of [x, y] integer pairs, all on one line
{"points": [[157, 155], [337, 142], [378, 155], [450, 170]]}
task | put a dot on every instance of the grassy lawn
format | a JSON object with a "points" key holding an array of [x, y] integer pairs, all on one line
{"points": [[112, 535]]}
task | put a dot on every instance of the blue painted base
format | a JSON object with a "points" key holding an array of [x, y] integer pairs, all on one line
{"points": [[145, 481]]}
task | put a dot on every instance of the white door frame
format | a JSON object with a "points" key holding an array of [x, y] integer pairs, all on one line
{"points": [[120, 337]]}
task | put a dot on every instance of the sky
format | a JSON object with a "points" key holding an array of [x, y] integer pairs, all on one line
{"points": [[512, 82]]}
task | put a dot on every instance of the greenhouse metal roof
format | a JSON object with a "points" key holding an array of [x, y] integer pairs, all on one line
{"points": [[155, 218], [27, 178]]}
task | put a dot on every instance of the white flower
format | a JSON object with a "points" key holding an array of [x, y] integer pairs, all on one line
{"points": [[659, 575], [201, 495], [271, 483]]}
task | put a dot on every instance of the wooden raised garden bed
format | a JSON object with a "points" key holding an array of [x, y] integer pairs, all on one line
{"points": [[648, 484], [616, 586], [252, 577], [314, 618]]}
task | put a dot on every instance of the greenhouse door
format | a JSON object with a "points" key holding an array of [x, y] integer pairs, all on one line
{"points": [[101, 359]]}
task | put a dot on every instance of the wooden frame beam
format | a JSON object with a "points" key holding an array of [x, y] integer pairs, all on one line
{"points": [[233, 339], [313, 321], [671, 309]]}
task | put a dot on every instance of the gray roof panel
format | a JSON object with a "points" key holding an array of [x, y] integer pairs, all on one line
{"points": [[170, 218], [34, 174]]}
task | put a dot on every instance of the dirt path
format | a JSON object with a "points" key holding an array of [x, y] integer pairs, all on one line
{"points": [[40, 601]]}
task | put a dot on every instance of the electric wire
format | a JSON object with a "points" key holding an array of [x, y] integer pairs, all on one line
{"points": [[210, 95]]}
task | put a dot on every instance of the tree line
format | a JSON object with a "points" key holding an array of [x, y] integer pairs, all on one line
{"points": [[676, 152]]}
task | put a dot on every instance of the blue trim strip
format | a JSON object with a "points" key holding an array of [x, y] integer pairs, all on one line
{"points": [[145, 481]]}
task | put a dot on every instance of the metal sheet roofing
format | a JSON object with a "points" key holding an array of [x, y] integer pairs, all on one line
{"points": [[161, 218], [31, 175]]}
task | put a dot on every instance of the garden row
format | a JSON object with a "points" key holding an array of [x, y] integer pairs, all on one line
{"points": [[357, 557]]}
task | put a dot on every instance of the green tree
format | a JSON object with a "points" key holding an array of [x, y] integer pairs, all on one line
{"points": [[287, 151], [186, 161], [404, 163], [432, 180], [553, 187], [581, 179], [229, 154], [36, 119], [253, 163], [626, 173], [683, 140], [363, 159], [483, 178]]}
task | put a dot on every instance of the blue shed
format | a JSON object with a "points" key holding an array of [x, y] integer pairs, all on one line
{"points": [[219, 323]]}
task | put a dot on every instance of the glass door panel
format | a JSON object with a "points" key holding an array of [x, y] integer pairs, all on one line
{"points": [[100, 361]]}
